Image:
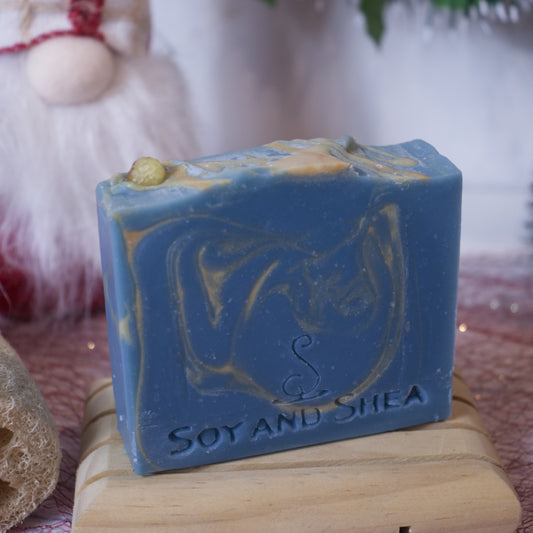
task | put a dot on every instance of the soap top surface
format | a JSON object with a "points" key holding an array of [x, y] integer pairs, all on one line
{"points": [[303, 160]]}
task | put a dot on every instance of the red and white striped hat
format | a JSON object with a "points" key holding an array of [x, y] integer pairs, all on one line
{"points": [[124, 25]]}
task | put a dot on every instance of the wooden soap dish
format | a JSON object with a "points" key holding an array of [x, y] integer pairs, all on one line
{"points": [[438, 477]]}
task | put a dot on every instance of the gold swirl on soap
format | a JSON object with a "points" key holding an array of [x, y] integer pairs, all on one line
{"points": [[226, 278]]}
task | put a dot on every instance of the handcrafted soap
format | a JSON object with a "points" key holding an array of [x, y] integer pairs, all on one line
{"points": [[286, 295]]}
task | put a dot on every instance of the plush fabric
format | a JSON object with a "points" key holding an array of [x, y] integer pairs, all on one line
{"points": [[53, 157], [81, 100]]}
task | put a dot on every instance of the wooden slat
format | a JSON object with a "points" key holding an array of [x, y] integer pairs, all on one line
{"points": [[444, 476]]}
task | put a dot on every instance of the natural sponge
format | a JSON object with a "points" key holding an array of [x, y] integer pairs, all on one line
{"points": [[29, 446]]}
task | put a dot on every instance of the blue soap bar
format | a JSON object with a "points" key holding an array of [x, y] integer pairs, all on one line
{"points": [[286, 295]]}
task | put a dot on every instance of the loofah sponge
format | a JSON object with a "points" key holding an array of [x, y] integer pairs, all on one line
{"points": [[29, 446]]}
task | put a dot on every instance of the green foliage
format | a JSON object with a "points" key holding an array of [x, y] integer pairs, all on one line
{"points": [[373, 13], [462, 5]]}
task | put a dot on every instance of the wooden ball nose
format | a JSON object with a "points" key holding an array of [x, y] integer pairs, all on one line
{"points": [[70, 70]]}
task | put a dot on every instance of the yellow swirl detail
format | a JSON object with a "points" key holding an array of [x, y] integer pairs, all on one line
{"points": [[381, 242], [315, 159]]}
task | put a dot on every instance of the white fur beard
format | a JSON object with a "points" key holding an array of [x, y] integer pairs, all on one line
{"points": [[53, 156]]}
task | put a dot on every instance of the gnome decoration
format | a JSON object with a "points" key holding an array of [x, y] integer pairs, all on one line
{"points": [[82, 97]]}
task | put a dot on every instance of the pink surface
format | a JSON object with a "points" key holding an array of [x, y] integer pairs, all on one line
{"points": [[494, 354]]}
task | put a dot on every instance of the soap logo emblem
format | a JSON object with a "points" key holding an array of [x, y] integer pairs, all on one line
{"points": [[281, 316], [296, 387]]}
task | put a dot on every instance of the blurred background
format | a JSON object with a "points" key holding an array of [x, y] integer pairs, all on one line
{"points": [[308, 68]]}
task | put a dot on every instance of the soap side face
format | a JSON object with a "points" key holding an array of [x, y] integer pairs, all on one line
{"points": [[281, 308]]}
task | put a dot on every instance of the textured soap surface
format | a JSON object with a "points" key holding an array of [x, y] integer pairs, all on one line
{"points": [[281, 296]]}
